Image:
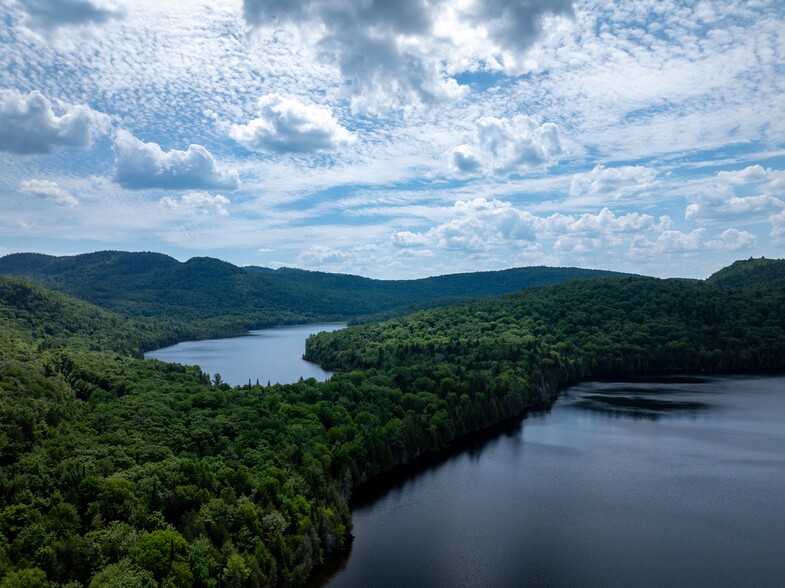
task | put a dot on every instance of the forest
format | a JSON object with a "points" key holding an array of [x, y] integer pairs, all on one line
{"points": [[221, 299], [117, 471]]}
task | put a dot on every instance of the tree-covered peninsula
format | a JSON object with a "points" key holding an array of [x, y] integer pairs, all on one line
{"points": [[121, 472]]}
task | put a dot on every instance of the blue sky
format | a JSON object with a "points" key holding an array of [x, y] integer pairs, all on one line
{"points": [[396, 139]]}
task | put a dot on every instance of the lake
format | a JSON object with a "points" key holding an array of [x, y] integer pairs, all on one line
{"points": [[273, 355], [660, 482]]}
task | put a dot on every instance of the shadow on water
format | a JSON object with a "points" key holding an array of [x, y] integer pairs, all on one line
{"points": [[472, 445], [650, 398], [637, 407]]}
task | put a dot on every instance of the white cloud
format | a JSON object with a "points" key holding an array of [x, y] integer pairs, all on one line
{"points": [[317, 255], [47, 15], [733, 240], [605, 221], [614, 182], [405, 239], [474, 225], [778, 229], [464, 161], [48, 190], [197, 203], [287, 125], [726, 197], [508, 146], [673, 242], [140, 165], [29, 124]]}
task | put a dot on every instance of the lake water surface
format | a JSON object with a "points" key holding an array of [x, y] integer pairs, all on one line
{"points": [[273, 355], [676, 482]]}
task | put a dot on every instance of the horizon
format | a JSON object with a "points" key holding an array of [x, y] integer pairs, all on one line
{"points": [[396, 141], [422, 277]]}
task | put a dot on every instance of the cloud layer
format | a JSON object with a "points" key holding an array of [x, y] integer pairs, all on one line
{"points": [[407, 52], [52, 14]]}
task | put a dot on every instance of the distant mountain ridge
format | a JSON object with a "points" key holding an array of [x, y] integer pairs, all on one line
{"points": [[154, 284]]}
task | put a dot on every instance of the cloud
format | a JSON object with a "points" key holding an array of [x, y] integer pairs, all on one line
{"points": [[727, 197], [673, 242], [49, 191], [514, 24], [614, 182], [317, 255], [605, 221], [493, 227], [506, 146], [52, 14], [289, 126], [404, 239], [197, 203], [407, 51], [29, 124], [464, 161], [140, 165], [733, 240], [475, 225], [778, 229]]}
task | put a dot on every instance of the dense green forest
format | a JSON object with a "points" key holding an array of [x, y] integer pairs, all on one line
{"points": [[115, 471], [226, 299]]}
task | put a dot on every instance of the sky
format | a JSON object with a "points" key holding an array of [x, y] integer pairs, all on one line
{"points": [[396, 139]]}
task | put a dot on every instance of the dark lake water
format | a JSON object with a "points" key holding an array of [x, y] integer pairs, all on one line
{"points": [[675, 482], [273, 355]]}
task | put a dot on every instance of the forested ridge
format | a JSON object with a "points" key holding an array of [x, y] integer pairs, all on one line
{"points": [[121, 472], [227, 299]]}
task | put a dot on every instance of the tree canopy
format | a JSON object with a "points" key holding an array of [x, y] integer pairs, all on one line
{"points": [[115, 471]]}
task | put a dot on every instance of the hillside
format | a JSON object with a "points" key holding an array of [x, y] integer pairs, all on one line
{"points": [[116, 471], [752, 274], [152, 284]]}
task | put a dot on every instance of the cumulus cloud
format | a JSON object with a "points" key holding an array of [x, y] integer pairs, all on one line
{"points": [[506, 146], [728, 198], [29, 124], [140, 165], [317, 255], [409, 50], [475, 225], [197, 203], [464, 161], [601, 232], [673, 242], [614, 182], [778, 229], [484, 226], [604, 221], [48, 190], [405, 239], [733, 240], [52, 14], [286, 125]]}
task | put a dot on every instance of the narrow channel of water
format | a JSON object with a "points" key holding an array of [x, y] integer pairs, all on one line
{"points": [[273, 355], [669, 482]]}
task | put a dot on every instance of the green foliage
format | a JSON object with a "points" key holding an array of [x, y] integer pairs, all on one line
{"points": [[222, 299], [122, 472], [753, 274]]}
